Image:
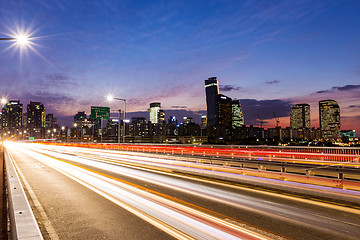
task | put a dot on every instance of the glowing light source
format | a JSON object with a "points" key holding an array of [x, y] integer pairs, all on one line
{"points": [[22, 39], [110, 98], [4, 101]]}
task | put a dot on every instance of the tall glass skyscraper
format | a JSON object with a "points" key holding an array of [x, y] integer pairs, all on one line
{"points": [[300, 116], [11, 117], [329, 117], [36, 115], [211, 90], [237, 114], [223, 110], [154, 110]]}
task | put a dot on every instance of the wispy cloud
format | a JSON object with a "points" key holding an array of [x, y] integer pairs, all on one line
{"points": [[344, 88], [272, 82], [354, 106], [228, 88], [179, 107]]}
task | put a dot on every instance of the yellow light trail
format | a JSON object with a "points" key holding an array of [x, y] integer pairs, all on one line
{"points": [[176, 219]]}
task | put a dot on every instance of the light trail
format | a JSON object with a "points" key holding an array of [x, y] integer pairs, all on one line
{"points": [[318, 157], [114, 162], [176, 219], [196, 166]]}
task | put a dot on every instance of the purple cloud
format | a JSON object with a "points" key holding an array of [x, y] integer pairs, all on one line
{"points": [[344, 88], [179, 107], [228, 88], [354, 106], [273, 82]]}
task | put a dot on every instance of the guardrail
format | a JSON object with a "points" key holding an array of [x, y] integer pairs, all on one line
{"points": [[334, 189], [321, 154], [22, 220], [224, 169]]}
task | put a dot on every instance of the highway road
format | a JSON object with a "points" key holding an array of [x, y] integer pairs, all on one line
{"points": [[79, 193]]}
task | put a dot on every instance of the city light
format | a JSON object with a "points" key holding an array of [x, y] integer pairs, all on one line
{"points": [[22, 39], [110, 98], [4, 101]]}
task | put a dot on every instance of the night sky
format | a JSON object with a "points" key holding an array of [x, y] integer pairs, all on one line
{"points": [[268, 54]]}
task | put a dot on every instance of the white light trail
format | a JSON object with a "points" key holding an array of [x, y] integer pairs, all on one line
{"points": [[172, 217]]}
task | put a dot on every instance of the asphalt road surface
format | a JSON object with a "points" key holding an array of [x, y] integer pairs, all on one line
{"points": [[101, 194]]}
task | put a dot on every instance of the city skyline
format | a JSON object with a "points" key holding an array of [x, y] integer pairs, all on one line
{"points": [[269, 55]]}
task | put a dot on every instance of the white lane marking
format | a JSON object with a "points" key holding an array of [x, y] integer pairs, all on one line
{"points": [[45, 220]]}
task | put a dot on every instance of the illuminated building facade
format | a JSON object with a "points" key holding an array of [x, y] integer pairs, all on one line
{"points": [[329, 116], [11, 117], [173, 120], [300, 116], [36, 115], [187, 120], [51, 121], [161, 116], [203, 121], [79, 117], [154, 112], [237, 114], [223, 110], [211, 90]]}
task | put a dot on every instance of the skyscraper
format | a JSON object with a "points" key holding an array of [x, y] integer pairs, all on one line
{"points": [[36, 115], [223, 110], [11, 117], [173, 120], [161, 116], [329, 117], [154, 110], [79, 117], [51, 121], [300, 116], [237, 114], [203, 121], [211, 90]]}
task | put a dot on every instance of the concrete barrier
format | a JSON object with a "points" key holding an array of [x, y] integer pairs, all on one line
{"points": [[22, 220]]}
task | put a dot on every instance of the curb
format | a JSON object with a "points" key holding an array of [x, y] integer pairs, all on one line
{"points": [[22, 220]]}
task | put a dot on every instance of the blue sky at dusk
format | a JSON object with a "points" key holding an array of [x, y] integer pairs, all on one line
{"points": [[268, 54]]}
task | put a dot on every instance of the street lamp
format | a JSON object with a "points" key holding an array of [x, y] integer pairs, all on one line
{"points": [[8, 39], [111, 98], [20, 39], [3, 101]]}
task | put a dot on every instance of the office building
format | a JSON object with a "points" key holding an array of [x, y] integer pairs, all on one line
{"points": [[188, 120], [51, 121], [11, 117], [329, 117], [223, 110], [173, 120], [300, 116], [203, 121], [36, 115], [211, 90], [237, 114], [79, 117], [154, 112], [161, 116]]}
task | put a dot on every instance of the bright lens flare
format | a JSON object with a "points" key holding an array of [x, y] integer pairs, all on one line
{"points": [[4, 101], [110, 98], [22, 39]]}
